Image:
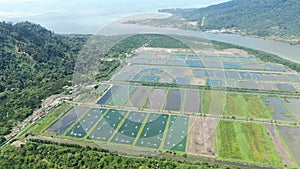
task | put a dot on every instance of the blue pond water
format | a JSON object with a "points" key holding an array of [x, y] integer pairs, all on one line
{"points": [[245, 75], [194, 63], [232, 65], [214, 83], [107, 95]]}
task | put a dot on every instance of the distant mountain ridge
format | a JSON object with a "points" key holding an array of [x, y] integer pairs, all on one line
{"points": [[255, 17]]}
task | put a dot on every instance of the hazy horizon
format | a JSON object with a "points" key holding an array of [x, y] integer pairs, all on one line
{"points": [[74, 16]]}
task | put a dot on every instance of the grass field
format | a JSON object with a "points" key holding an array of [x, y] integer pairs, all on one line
{"points": [[246, 142], [213, 102], [251, 106], [228, 143]]}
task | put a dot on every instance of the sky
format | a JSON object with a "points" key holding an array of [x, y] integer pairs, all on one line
{"points": [[78, 16]]}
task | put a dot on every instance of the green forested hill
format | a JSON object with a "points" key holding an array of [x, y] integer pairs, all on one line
{"points": [[257, 17], [34, 63], [45, 155]]}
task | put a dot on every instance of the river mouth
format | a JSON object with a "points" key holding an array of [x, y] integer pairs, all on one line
{"points": [[284, 50]]}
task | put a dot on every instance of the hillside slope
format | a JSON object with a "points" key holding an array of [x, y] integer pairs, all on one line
{"points": [[34, 63], [256, 17]]}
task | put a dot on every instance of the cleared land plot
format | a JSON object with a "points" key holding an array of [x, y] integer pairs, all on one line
{"points": [[152, 133], [214, 83], [228, 65], [210, 58], [267, 86], [279, 145], [197, 81], [120, 96], [177, 71], [249, 85], [121, 77], [166, 79], [137, 78], [294, 106], [151, 79], [176, 63], [248, 59], [297, 87], [62, 124], [294, 78], [193, 57], [248, 142], [256, 76], [193, 101], [129, 129], [199, 72], [176, 136], [229, 59], [155, 99], [178, 56], [158, 62], [86, 123], [190, 63], [279, 112], [210, 73], [246, 106], [140, 61], [201, 136], [220, 73], [137, 99], [281, 78], [274, 67], [245, 75], [106, 127], [269, 77], [174, 100], [182, 80], [253, 66], [291, 136], [107, 95], [212, 64], [102, 88], [285, 87], [152, 71], [232, 83]]}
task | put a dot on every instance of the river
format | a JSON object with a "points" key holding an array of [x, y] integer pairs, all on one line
{"points": [[281, 49]]}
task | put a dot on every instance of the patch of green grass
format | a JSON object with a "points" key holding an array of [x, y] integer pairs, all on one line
{"points": [[50, 118], [243, 105], [259, 145], [246, 142], [228, 143], [257, 108], [235, 105], [213, 102]]}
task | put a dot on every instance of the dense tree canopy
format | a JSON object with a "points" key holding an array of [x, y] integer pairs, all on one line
{"points": [[41, 155], [34, 63], [263, 18]]}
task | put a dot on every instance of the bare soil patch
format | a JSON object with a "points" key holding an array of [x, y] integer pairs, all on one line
{"points": [[279, 145], [201, 139]]}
